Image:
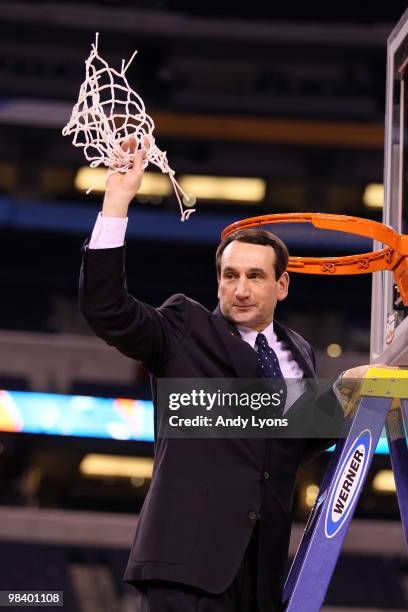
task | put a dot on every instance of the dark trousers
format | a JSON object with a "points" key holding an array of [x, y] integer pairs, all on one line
{"points": [[161, 596]]}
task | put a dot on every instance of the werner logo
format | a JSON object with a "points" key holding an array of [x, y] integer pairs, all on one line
{"points": [[348, 481]]}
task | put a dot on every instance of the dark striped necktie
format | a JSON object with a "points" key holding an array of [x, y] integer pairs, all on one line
{"points": [[268, 367]]}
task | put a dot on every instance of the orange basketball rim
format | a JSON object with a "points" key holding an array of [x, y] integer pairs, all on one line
{"points": [[394, 256]]}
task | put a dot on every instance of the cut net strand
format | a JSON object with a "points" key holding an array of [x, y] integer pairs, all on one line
{"points": [[108, 111]]}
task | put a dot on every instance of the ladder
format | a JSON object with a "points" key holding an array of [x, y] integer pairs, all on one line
{"points": [[326, 528]]}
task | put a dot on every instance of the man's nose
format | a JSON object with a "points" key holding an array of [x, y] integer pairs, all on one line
{"points": [[242, 288]]}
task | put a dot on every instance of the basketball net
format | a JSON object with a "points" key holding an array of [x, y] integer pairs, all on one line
{"points": [[108, 111]]}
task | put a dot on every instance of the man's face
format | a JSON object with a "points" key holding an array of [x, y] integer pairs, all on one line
{"points": [[247, 288]]}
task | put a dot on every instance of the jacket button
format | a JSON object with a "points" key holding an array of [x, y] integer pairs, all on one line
{"points": [[266, 475], [252, 515]]}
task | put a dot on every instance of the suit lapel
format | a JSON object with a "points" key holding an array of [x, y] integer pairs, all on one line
{"points": [[241, 355], [299, 351]]}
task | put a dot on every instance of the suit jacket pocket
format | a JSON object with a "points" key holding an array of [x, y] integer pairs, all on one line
{"points": [[169, 521]]}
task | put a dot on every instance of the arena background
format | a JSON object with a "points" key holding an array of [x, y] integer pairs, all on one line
{"points": [[290, 94]]}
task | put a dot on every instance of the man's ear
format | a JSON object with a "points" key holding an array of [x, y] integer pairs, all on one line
{"points": [[283, 286]]}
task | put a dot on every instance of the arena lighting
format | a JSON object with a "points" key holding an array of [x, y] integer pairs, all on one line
{"points": [[384, 482], [334, 350], [373, 195], [112, 465], [235, 189], [311, 494], [153, 183]]}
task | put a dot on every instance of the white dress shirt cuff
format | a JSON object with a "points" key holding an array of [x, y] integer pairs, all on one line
{"points": [[108, 232]]}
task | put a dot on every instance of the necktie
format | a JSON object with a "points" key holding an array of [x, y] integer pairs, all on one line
{"points": [[268, 367]]}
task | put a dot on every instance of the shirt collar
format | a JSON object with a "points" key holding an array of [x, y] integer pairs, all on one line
{"points": [[249, 335]]}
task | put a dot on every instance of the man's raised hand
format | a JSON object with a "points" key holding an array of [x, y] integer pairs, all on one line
{"points": [[121, 188]]}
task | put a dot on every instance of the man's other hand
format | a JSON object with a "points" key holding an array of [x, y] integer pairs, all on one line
{"points": [[348, 385]]}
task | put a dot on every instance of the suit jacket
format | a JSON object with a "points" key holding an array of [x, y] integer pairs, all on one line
{"points": [[206, 495]]}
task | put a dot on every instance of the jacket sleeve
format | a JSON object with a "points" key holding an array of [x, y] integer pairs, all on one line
{"points": [[135, 328], [329, 415]]}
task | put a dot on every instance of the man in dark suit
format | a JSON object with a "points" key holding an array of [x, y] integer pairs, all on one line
{"points": [[214, 530]]}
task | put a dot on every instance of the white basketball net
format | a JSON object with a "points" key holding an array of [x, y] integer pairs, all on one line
{"points": [[107, 112]]}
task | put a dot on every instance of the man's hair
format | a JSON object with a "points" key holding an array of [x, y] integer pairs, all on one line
{"points": [[256, 236]]}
